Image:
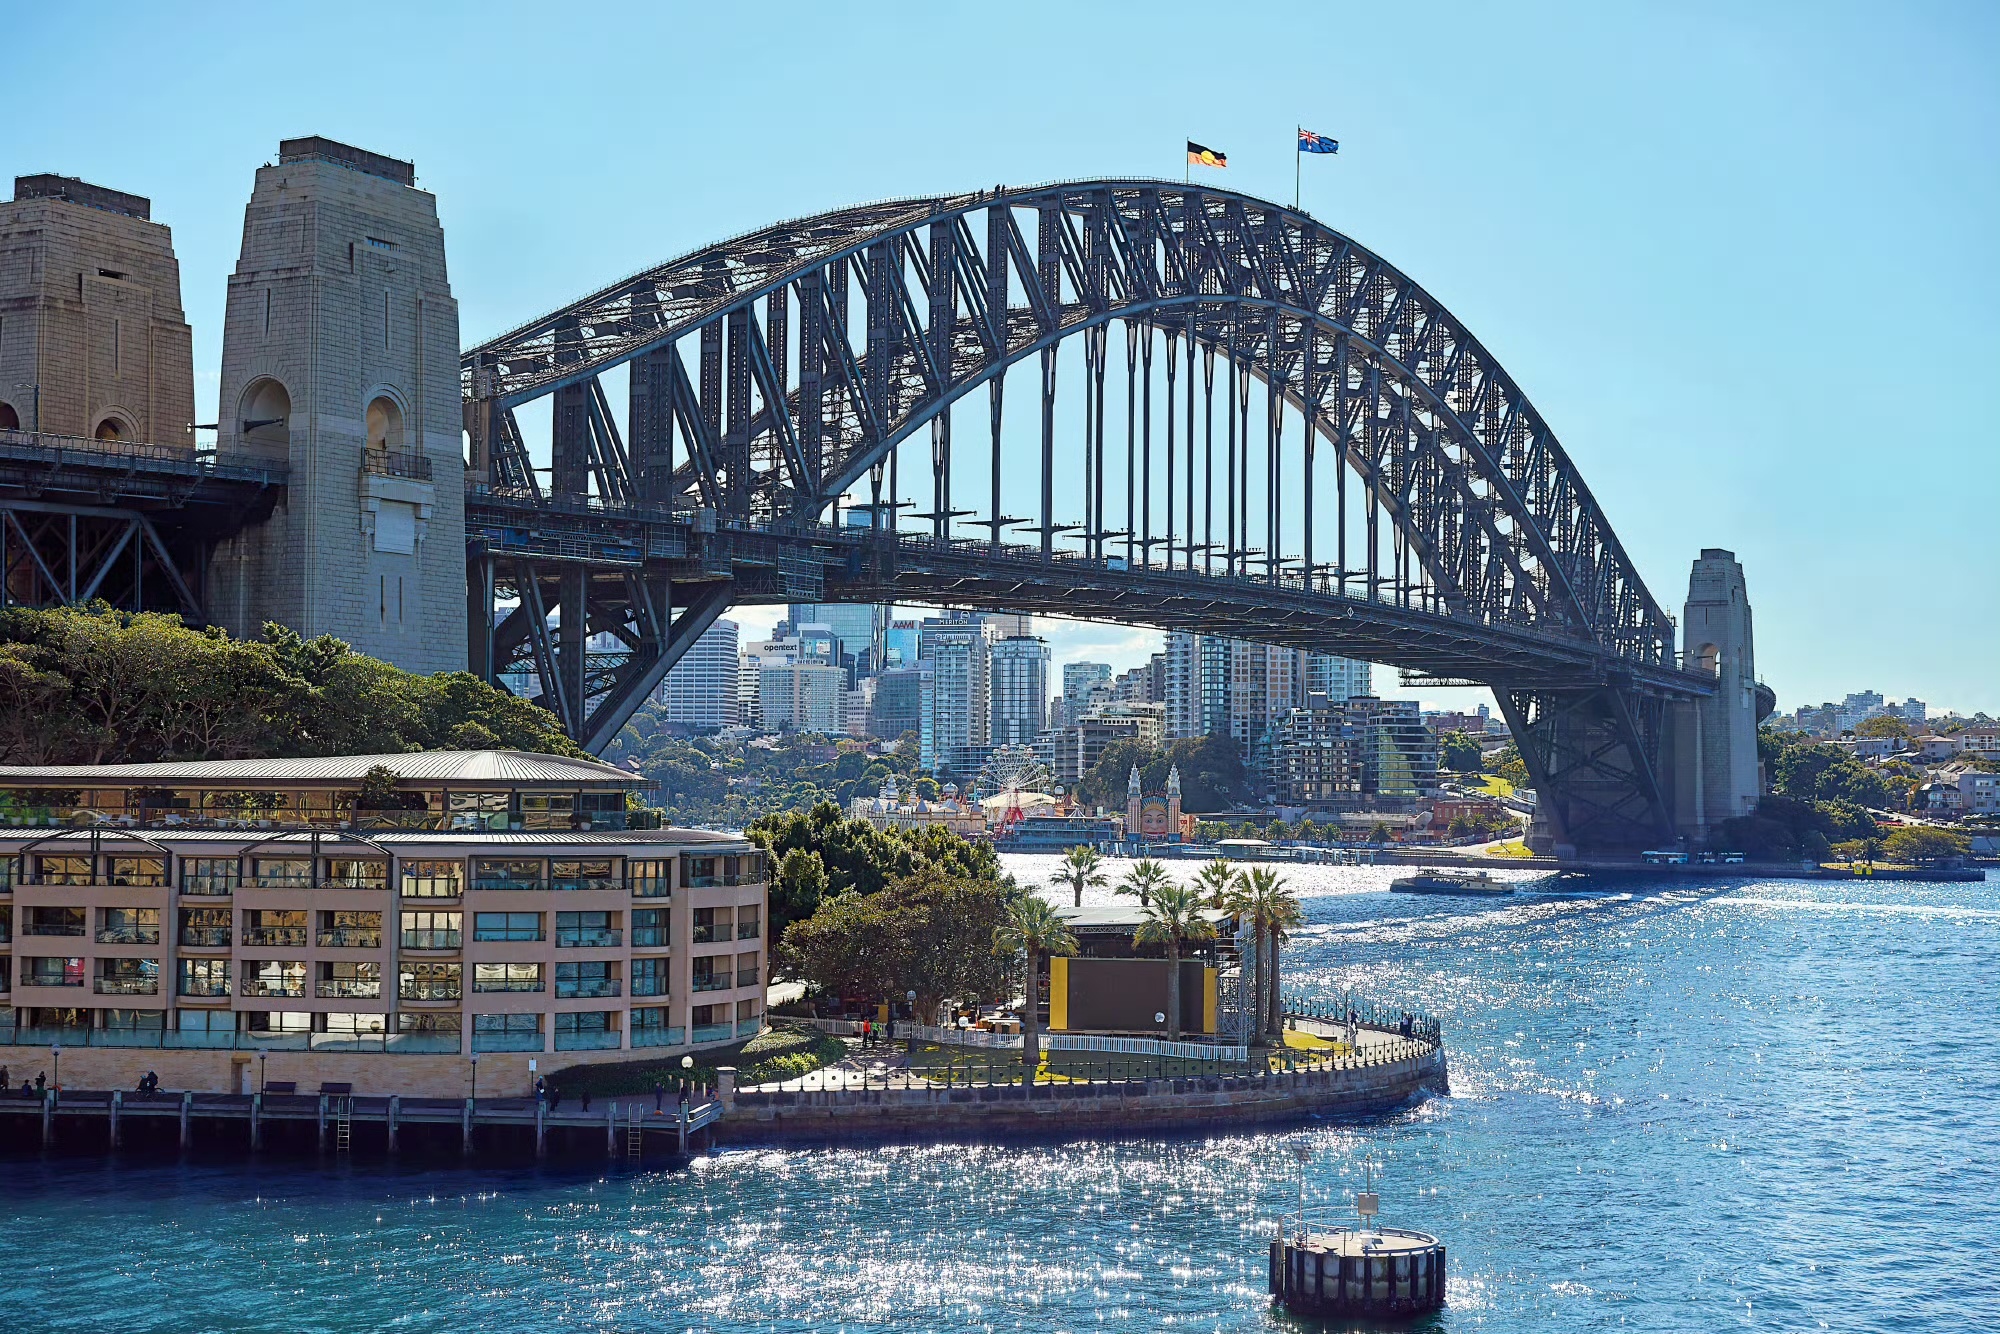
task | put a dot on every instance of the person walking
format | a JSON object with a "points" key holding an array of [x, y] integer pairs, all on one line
{"points": [[41, 1082], [586, 1100], [555, 1099], [659, 1097], [3, 1079], [684, 1099]]}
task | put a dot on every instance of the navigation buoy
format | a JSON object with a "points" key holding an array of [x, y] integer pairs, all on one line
{"points": [[1363, 1270]]}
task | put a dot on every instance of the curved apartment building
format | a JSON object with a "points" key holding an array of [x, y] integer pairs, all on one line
{"points": [[486, 915]]}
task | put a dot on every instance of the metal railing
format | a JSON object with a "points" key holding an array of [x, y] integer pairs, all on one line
{"points": [[649, 986], [284, 937], [432, 938], [350, 938], [712, 982], [206, 937], [589, 1040], [659, 1037], [587, 882], [507, 1041], [348, 988], [254, 986], [586, 988], [31, 927], [129, 935], [428, 991], [580, 939], [128, 986], [508, 882], [650, 937], [508, 984], [396, 463]]}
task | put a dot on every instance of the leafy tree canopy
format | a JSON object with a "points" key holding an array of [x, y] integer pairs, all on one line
{"points": [[1212, 774], [1459, 753], [100, 686], [837, 854]]}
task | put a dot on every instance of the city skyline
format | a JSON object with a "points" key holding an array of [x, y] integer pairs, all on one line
{"points": [[1753, 157]]}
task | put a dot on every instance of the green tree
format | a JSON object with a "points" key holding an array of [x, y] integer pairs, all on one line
{"points": [[1213, 881], [1915, 843], [1883, 725], [1146, 878], [1273, 911], [1030, 930], [1081, 868], [1459, 753], [1506, 763], [1378, 832], [798, 886], [1173, 914], [1277, 831]]}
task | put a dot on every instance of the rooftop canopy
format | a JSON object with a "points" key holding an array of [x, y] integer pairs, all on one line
{"points": [[457, 767]]}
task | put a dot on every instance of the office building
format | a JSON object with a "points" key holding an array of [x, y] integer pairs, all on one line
{"points": [[802, 697], [1077, 679], [961, 701], [1019, 690], [700, 693]]}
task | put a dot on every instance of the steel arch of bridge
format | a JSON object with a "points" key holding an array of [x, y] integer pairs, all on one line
{"points": [[774, 375]]}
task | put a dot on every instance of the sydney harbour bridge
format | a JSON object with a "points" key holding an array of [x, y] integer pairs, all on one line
{"points": [[1138, 401]]}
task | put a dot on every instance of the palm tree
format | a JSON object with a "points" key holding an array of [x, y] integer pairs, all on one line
{"points": [[1213, 881], [1032, 928], [1173, 914], [1145, 879], [1277, 912], [1080, 871]]}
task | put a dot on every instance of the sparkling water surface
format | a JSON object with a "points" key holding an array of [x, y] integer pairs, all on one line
{"points": [[1675, 1105]]}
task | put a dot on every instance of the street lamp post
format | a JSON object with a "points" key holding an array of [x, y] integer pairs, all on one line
{"points": [[55, 1050], [475, 1079], [263, 1081], [687, 1072], [911, 996]]}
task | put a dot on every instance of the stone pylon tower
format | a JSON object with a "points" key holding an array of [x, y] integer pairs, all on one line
{"points": [[1715, 769], [340, 358]]}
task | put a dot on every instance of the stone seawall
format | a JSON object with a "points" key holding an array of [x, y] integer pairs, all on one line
{"points": [[1077, 1111]]}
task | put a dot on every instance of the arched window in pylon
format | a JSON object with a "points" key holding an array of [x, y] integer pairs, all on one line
{"points": [[114, 426], [1708, 658], [265, 418], [10, 420], [385, 425]]}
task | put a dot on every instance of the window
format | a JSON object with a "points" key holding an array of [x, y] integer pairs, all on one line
{"points": [[507, 1032], [649, 977], [546, 812], [350, 930], [711, 973], [747, 925], [745, 1009], [711, 1017], [586, 930], [128, 926], [429, 981], [210, 875], [204, 977], [281, 872], [582, 875], [142, 872], [206, 928], [52, 972], [52, 921], [507, 926], [585, 1030], [274, 977], [284, 928], [342, 980], [273, 1021], [648, 1019], [650, 928], [651, 879], [432, 880], [700, 872], [513, 873], [432, 930], [746, 970], [507, 977], [62, 870], [428, 1022], [342, 873], [584, 979], [711, 925]]}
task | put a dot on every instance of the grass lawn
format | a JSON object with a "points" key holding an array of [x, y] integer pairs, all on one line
{"points": [[1493, 785], [790, 1049], [1514, 849]]}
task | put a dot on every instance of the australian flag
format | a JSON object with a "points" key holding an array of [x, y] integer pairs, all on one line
{"points": [[1317, 143]]}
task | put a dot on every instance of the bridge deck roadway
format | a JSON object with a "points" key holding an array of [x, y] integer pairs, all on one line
{"points": [[854, 565]]}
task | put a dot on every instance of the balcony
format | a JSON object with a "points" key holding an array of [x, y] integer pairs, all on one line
{"points": [[129, 935], [586, 987], [428, 991], [434, 938], [588, 939], [658, 1037], [650, 938], [350, 938], [33, 928], [710, 934], [349, 988], [282, 880], [505, 935], [50, 980], [591, 1040], [508, 984], [746, 977], [714, 1032], [649, 986], [206, 937], [508, 882], [209, 886], [587, 882], [506, 1041], [280, 988], [712, 982], [128, 986], [651, 887], [723, 881], [219, 988], [748, 930], [283, 937], [396, 463]]}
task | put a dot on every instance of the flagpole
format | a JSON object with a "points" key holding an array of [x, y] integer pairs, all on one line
{"points": [[1297, 170]]}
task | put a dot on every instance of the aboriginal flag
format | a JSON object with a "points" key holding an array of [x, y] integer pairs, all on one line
{"points": [[1205, 157]]}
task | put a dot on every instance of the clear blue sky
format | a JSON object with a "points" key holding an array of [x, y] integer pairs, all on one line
{"points": [[1742, 257]]}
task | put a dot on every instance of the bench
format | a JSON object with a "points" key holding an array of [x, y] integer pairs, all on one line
{"points": [[336, 1090], [280, 1086]]}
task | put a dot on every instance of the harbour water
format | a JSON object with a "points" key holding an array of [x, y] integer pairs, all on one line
{"points": [[1675, 1106]]}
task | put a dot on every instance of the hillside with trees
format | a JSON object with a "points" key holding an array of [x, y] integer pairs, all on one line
{"points": [[100, 686]]}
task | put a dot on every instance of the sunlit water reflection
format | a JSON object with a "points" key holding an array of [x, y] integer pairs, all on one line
{"points": [[1676, 1105]]}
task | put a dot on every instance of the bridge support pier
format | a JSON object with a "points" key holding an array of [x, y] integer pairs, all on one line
{"points": [[1594, 753], [1715, 770]]}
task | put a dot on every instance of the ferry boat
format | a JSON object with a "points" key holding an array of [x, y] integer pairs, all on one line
{"points": [[1471, 884]]}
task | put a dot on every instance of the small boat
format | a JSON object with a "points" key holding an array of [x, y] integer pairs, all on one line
{"points": [[1470, 884]]}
